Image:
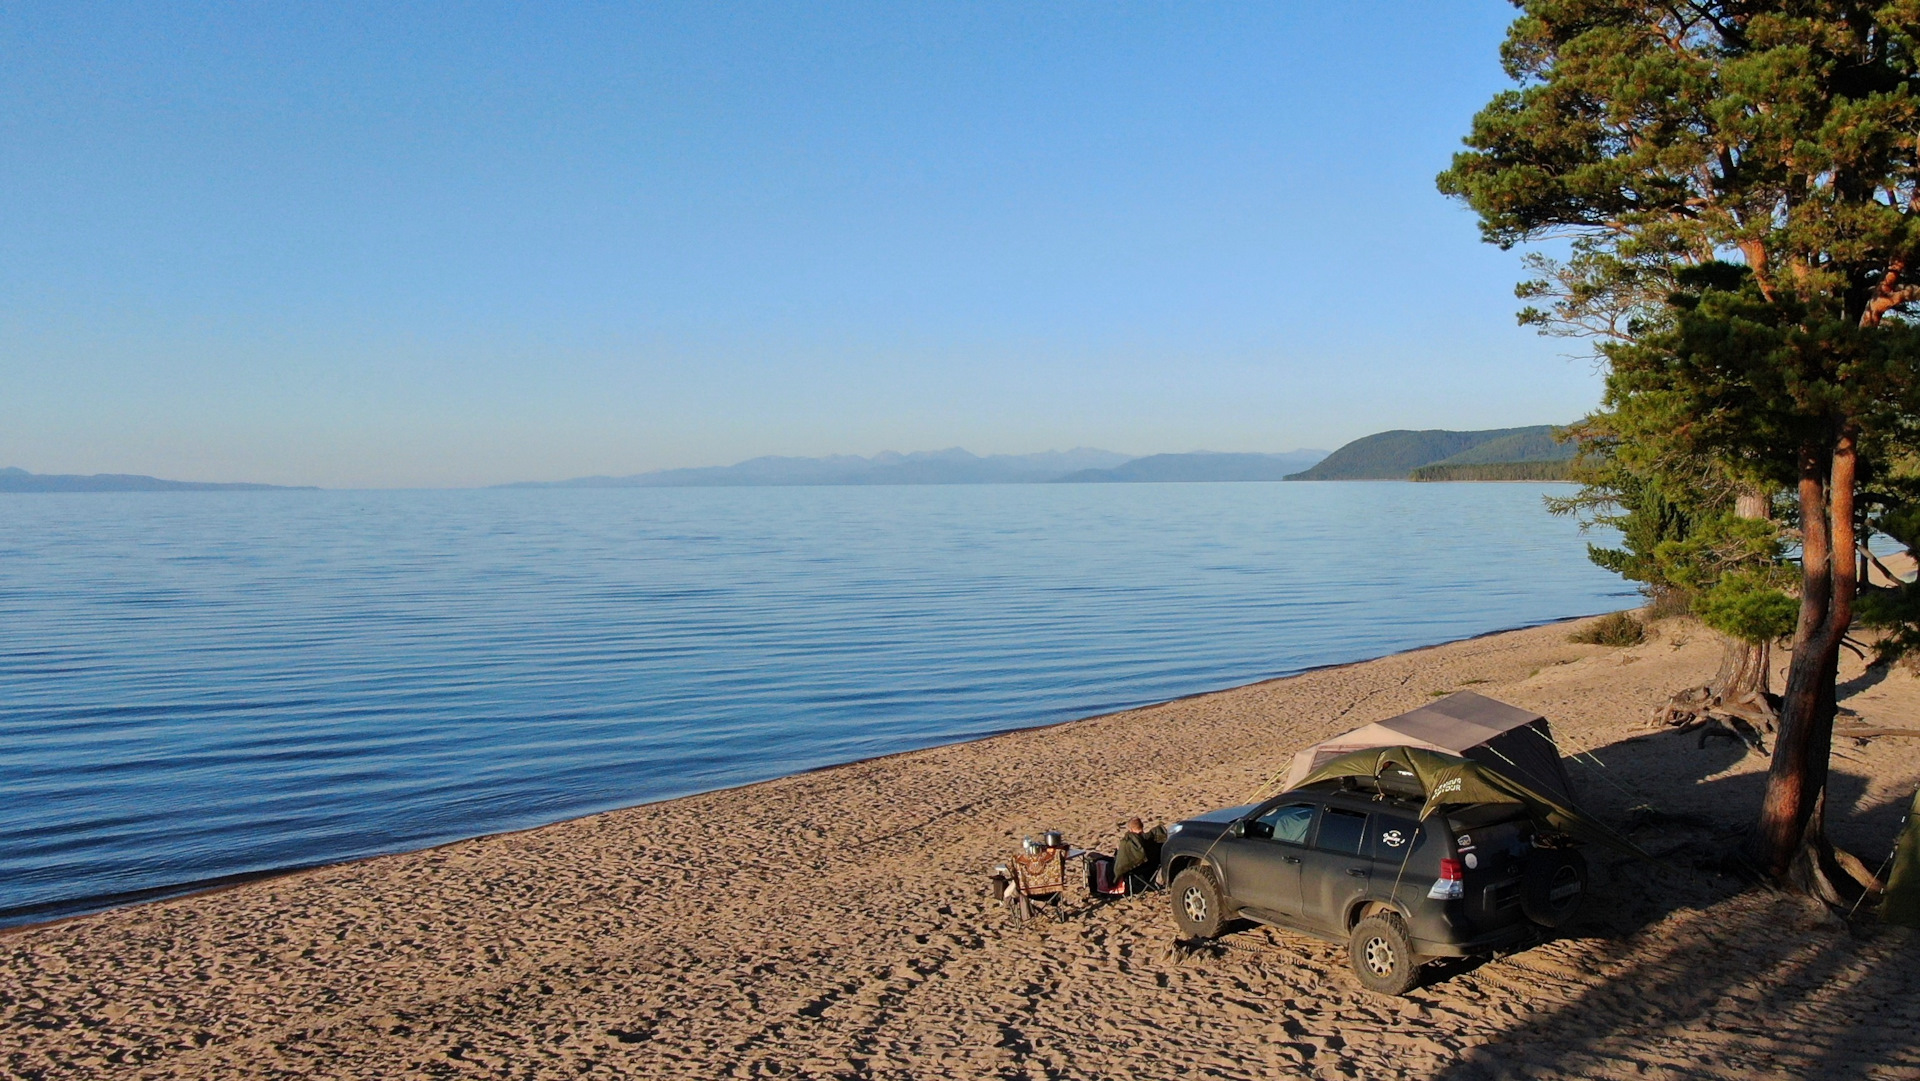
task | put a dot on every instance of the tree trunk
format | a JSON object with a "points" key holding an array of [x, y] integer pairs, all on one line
{"points": [[1747, 686], [1797, 779], [1747, 680], [1737, 702]]}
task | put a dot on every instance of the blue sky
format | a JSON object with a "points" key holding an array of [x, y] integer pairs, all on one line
{"points": [[450, 244]]}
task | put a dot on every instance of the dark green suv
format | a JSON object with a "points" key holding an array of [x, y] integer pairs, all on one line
{"points": [[1357, 866]]}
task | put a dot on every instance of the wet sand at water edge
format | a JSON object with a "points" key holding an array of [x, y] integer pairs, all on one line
{"points": [[836, 925]]}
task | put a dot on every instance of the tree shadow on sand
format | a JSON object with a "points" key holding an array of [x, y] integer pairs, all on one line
{"points": [[1685, 970], [1873, 676]]}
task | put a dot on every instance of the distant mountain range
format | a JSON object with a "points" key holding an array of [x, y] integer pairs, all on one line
{"points": [[1396, 455], [1201, 465], [951, 466], [956, 466], [1497, 454], [19, 480]]}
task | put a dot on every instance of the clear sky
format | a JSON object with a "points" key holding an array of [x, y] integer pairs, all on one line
{"points": [[447, 244]]}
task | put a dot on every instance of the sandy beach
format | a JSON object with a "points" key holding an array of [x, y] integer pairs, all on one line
{"points": [[835, 924]]}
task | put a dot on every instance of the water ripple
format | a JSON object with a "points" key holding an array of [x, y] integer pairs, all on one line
{"points": [[196, 687]]}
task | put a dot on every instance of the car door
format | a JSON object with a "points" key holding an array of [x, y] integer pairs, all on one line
{"points": [[1264, 871], [1335, 869]]}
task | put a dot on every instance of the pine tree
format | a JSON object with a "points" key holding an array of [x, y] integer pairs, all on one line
{"points": [[1669, 140]]}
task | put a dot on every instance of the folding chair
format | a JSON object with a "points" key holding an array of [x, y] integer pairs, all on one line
{"points": [[1039, 879]]}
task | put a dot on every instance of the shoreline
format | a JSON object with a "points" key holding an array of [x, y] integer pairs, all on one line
{"points": [[224, 883], [834, 924]]}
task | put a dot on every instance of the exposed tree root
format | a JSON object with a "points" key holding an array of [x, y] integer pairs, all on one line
{"points": [[1745, 719], [1735, 705], [1829, 874], [1872, 733]]}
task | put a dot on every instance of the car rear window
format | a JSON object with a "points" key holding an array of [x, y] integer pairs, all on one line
{"points": [[1490, 829], [1341, 831]]}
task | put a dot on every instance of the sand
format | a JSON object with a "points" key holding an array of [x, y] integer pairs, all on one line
{"points": [[835, 924]]}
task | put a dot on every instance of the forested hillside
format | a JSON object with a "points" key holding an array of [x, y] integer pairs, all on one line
{"points": [[1396, 454], [1543, 470], [1526, 445]]}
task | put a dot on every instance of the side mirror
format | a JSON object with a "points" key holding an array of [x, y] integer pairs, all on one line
{"points": [[1237, 828]]}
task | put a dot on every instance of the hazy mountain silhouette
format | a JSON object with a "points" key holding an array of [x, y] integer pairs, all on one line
{"points": [[951, 466], [957, 466], [19, 480], [1201, 466]]}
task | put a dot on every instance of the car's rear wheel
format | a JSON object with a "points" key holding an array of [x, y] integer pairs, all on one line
{"points": [[1555, 885], [1198, 907], [1383, 956]]}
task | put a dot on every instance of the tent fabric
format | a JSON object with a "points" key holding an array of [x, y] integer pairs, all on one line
{"points": [[1452, 779], [1900, 904], [1516, 741]]}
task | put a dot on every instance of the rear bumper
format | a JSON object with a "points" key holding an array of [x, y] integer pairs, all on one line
{"points": [[1497, 939]]}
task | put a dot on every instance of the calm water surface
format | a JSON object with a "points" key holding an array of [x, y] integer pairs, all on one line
{"points": [[201, 685]]}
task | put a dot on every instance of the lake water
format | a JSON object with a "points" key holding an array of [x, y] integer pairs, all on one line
{"points": [[197, 686]]}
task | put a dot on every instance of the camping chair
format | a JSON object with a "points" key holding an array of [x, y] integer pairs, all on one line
{"points": [[1038, 879], [1102, 883], [1142, 879], [1142, 849]]}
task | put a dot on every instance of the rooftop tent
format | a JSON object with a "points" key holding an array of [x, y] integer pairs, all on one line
{"points": [[1515, 741], [1450, 779]]}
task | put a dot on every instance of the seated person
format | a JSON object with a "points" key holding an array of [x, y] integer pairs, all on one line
{"points": [[1138, 853]]}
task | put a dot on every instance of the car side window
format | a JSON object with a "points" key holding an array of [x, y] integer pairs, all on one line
{"points": [[1341, 831], [1288, 822], [1393, 838]]}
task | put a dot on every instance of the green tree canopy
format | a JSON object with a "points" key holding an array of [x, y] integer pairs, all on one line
{"points": [[1668, 140]]}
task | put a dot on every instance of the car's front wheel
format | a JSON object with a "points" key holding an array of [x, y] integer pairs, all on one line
{"points": [[1198, 907], [1383, 956]]}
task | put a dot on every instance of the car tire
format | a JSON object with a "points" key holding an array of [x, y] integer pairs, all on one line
{"points": [[1198, 905], [1382, 955], [1555, 886]]}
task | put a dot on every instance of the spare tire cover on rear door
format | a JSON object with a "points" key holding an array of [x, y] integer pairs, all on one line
{"points": [[1555, 884]]}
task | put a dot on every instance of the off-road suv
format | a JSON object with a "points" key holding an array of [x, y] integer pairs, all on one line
{"points": [[1345, 863]]}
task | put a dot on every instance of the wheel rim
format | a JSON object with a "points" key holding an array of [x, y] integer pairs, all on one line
{"points": [[1379, 956], [1195, 902]]}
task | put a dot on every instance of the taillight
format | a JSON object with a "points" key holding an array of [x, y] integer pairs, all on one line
{"points": [[1451, 885]]}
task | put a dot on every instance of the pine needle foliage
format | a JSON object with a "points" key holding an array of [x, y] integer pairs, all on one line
{"points": [[1740, 181]]}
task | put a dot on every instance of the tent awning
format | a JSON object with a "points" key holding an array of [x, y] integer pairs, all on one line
{"points": [[1516, 741], [1450, 779]]}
